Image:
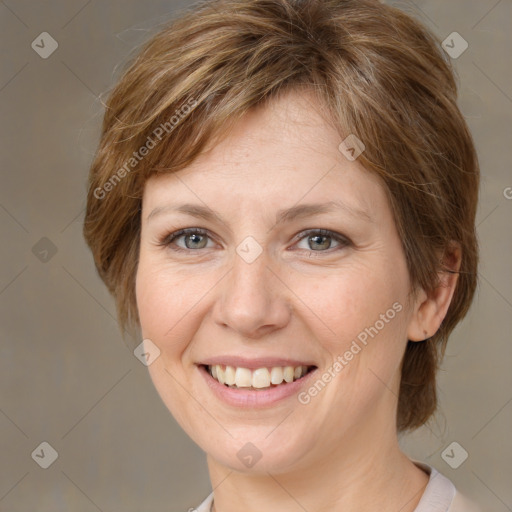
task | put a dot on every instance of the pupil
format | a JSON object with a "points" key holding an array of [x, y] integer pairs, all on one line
{"points": [[193, 237], [319, 237]]}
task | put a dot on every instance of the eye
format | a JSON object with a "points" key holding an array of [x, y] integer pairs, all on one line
{"points": [[322, 239], [197, 238], [194, 238]]}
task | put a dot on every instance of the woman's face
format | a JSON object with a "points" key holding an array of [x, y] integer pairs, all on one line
{"points": [[259, 288]]}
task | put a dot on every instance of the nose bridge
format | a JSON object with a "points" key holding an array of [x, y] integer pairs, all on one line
{"points": [[252, 299]]}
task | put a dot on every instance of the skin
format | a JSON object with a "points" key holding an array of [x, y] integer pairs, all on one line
{"points": [[300, 298]]}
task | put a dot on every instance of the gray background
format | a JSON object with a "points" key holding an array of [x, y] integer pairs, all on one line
{"points": [[66, 376]]}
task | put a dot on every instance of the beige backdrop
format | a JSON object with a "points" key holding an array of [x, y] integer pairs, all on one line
{"points": [[68, 380]]}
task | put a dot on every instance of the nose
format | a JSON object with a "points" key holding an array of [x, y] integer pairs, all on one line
{"points": [[253, 300]]}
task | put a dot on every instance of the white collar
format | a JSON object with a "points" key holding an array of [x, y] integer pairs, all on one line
{"points": [[438, 495]]}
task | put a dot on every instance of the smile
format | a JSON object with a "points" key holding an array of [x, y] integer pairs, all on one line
{"points": [[256, 387], [259, 378]]}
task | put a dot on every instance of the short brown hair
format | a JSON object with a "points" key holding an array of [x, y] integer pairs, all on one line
{"points": [[382, 76]]}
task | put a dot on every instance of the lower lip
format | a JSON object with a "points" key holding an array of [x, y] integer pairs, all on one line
{"points": [[251, 398]]}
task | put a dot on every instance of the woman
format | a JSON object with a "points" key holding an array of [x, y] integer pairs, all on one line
{"points": [[283, 205]]}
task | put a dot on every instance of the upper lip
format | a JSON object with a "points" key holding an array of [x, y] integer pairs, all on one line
{"points": [[254, 363]]}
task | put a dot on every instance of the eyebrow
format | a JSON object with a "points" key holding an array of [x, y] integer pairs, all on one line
{"points": [[282, 216]]}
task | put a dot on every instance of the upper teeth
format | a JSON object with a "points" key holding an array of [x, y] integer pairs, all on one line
{"points": [[260, 378]]}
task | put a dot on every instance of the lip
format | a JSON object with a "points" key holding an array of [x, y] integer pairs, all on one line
{"points": [[254, 363], [255, 399]]}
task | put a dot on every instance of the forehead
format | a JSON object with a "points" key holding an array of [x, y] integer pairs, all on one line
{"points": [[283, 129], [278, 154]]}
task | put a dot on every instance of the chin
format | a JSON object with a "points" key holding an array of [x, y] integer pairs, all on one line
{"points": [[261, 453]]}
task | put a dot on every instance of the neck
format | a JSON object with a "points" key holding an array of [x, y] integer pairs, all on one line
{"points": [[367, 473]]}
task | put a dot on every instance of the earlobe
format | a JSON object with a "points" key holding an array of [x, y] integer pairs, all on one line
{"points": [[431, 308]]}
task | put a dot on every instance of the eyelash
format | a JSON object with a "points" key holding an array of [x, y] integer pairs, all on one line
{"points": [[167, 240]]}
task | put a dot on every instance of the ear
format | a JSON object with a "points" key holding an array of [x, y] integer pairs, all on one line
{"points": [[431, 308]]}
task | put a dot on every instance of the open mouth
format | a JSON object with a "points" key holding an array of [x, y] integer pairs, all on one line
{"points": [[258, 379]]}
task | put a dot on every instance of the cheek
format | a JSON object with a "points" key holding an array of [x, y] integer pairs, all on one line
{"points": [[163, 300], [361, 317], [345, 303]]}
